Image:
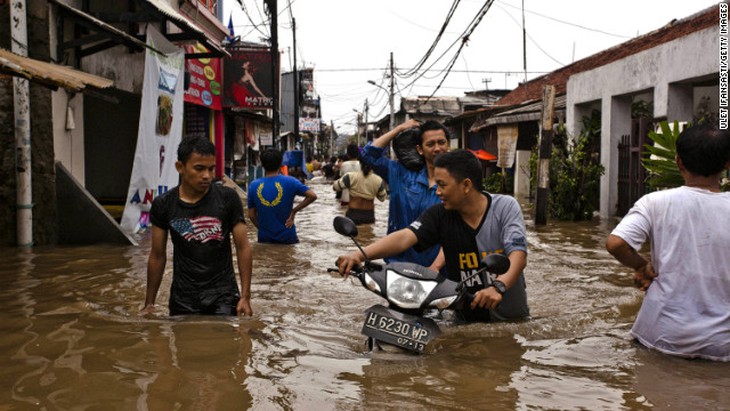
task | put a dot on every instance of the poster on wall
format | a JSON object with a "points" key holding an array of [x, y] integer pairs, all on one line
{"points": [[160, 131], [247, 79], [205, 79], [506, 145]]}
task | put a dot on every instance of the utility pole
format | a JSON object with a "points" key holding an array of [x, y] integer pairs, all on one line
{"points": [[486, 82], [366, 120], [21, 103], [274, 12], [297, 83], [391, 94], [359, 122], [545, 150], [524, 42]]}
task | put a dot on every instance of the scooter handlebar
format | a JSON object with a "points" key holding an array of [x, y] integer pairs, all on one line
{"points": [[355, 272]]}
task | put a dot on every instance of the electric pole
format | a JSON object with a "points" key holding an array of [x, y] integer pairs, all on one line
{"points": [[274, 12], [297, 83], [366, 120], [390, 94]]}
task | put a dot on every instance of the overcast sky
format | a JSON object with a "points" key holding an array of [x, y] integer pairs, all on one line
{"points": [[349, 42]]}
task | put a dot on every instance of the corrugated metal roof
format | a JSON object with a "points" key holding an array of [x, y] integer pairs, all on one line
{"points": [[49, 74], [186, 25], [174, 15], [527, 112]]}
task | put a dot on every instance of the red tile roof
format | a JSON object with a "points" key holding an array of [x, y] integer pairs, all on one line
{"points": [[532, 90]]}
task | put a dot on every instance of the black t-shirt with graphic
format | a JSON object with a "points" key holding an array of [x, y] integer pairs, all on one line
{"points": [[203, 276], [501, 231]]}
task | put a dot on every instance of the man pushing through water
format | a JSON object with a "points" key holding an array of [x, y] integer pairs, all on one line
{"points": [[201, 217], [468, 224]]}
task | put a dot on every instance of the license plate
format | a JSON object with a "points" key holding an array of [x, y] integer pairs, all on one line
{"points": [[406, 331]]}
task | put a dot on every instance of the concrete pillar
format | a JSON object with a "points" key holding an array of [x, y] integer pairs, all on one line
{"points": [[680, 105], [522, 174]]}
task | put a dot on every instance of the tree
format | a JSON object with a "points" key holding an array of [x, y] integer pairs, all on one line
{"points": [[575, 171]]}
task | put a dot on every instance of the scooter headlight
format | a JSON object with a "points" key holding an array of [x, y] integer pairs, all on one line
{"points": [[406, 292], [371, 284], [443, 303]]}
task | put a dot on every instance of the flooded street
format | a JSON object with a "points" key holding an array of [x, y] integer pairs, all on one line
{"points": [[72, 339]]}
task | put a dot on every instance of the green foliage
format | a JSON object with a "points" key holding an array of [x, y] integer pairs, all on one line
{"points": [[642, 109], [575, 172], [494, 184], [662, 167]]}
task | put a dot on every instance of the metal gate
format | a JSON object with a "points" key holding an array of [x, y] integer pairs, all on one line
{"points": [[631, 173]]}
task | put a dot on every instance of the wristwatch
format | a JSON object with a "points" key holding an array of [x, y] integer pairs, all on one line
{"points": [[501, 288]]}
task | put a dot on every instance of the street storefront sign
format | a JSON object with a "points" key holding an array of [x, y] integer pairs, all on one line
{"points": [[309, 124], [160, 130], [265, 139], [205, 79], [248, 81]]}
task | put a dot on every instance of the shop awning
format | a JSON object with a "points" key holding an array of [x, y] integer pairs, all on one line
{"points": [[49, 74], [105, 35], [190, 31]]}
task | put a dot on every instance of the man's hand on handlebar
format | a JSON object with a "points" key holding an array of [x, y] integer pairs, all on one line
{"points": [[345, 263], [487, 298]]}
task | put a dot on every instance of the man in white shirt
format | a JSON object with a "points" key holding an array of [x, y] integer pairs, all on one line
{"points": [[686, 309], [350, 166]]}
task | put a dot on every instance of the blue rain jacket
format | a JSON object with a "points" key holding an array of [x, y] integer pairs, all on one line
{"points": [[410, 196]]}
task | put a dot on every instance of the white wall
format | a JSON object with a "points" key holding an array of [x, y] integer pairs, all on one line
{"points": [[689, 57], [68, 145]]}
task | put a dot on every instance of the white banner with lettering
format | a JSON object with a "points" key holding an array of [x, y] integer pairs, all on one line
{"points": [[160, 130]]}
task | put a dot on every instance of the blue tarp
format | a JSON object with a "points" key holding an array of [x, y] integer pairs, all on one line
{"points": [[295, 158]]}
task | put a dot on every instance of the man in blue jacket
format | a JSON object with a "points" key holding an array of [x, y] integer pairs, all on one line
{"points": [[411, 191]]}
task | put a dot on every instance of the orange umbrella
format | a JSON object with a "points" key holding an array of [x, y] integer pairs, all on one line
{"points": [[483, 155]]}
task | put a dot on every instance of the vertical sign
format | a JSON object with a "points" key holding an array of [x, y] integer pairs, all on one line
{"points": [[506, 145], [248, 81], [160, 130], [723, 66], [205, 79]]}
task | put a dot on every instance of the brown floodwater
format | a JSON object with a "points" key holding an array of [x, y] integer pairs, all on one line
{"points": [[72, 338]]}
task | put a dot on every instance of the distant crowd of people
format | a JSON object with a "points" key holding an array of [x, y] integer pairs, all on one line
{"points": [[440, 217]]}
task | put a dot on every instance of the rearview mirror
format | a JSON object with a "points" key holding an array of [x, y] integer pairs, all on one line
{"points": [[345, 226], [496, 263]]}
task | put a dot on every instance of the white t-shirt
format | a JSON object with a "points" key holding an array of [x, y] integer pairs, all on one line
{"points": [[686, 310]]}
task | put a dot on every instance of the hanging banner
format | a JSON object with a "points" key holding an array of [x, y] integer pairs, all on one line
{"points": [[247, 79], [205, 79], [506, 145], [309, 124], [160, 130]]}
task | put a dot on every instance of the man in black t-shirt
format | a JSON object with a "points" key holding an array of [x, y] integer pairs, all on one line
{"points": [[469, 224], [200, 217]]}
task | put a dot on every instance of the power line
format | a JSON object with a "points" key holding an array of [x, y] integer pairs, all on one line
{"points": [[518, 71], [464, 39], [430, 50], [566, 22], [530, 37], [254, 25]]}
